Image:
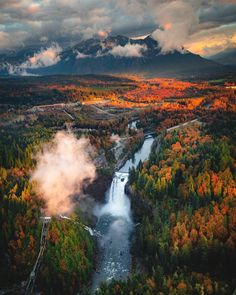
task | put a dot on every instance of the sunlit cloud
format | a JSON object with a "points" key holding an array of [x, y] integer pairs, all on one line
{"points": [[33, 8], [217, 39], [103, 33], [45, 57], [174, 23]]}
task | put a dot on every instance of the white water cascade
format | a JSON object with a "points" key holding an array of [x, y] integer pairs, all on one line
{"points": [[117, 204], [115, 224]]}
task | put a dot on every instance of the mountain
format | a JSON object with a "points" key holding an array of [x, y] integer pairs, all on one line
{"points": [[18, 56], [226, 57], [120, 54]]}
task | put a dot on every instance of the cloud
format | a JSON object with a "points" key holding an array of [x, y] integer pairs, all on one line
{"points": [[24, 22], [10, 40], [81, 55], [43, 58], [217, 39], [103, 33], [176, 21], [63, 167], [44, 39], [129, 50], [16, 70], [219, 14]]}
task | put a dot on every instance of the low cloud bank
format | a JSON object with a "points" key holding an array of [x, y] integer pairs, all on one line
{"points": [[80, 55], [43, 58], [129, 50]]}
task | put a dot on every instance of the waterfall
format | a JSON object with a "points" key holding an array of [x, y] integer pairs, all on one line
{"points": [[118, 204], [115, 225]]}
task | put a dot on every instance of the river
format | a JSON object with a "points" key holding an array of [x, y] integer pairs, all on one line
{"points": [[115, 224]]}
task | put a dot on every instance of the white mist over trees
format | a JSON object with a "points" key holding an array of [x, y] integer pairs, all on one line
{"points": [[62, 168]]}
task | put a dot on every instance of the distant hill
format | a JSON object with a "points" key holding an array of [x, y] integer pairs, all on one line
{"points": [[226, 57], [122, 55]]}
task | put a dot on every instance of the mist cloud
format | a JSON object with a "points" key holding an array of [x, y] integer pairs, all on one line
{"points": [[16, 70], [81, 55], [62, 168], [129, 50], [43, 58]]}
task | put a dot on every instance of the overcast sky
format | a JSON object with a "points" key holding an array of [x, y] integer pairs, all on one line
{"points": [[201, 26]]}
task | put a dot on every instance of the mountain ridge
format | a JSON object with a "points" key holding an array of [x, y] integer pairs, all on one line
{"points": [[120, 54], [225, 57]]}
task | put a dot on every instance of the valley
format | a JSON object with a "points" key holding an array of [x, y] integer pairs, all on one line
{"points": [[189, 175], [118, 147]]}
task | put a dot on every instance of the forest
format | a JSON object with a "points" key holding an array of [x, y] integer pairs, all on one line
{"points": [[130, 91], [183, 197], [70, 253]]}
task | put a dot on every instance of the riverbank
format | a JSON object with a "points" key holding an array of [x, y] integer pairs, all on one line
{"points": [[115, 222], [101, 184], [142, 206], [132, 149]]}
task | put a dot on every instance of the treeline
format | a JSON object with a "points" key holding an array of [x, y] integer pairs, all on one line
{"points": [[38, 90], [158, 120], [117, 125], [179, 283]]}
